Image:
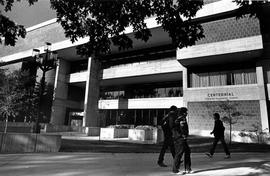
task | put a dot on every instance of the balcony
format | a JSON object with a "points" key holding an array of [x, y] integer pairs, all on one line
{"points": [[230, 51], [142, 103]]}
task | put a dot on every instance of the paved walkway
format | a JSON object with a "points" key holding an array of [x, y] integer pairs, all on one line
{"points": [[129, 164]]}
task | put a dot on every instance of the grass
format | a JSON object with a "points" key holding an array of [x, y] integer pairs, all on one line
{"points": [[198, 144]]}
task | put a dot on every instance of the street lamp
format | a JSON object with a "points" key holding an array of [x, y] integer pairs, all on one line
{"points": [[46, 63]]}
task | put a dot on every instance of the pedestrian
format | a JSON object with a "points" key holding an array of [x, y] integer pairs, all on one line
{"points": [[180, 134], [218, 132], [168, 140]]}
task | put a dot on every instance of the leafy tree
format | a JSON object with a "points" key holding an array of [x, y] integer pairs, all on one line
{"points": [[17, 96], [228, 109], [102, 19], [251, 7], [9, 30], [231, 114], [105, 21], [28, 102]]}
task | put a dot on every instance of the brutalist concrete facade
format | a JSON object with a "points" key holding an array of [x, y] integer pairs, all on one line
{"points": [[229, 46]]}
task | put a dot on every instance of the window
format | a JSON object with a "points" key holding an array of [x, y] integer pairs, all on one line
{"points": [[221, 78], [171, 89]]}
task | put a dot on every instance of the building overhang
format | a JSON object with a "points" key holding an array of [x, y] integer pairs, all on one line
{"points": [[67, 50], [230, 51], [79, 79], [164, 77]]}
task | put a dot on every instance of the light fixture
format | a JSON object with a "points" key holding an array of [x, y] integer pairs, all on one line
{"points": [[35, 53], [45, 62], [48, 46]]}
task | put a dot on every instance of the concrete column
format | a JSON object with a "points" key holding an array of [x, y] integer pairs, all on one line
{"points": [[185, 84], [184, 76], [263, 100], [60, 93], [91, 113]]}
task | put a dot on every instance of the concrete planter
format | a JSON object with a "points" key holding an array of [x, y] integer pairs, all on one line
{"points": [[158, 135], [146, 135], [31, 142], [140, 135], [111, 133], [91, 131]]}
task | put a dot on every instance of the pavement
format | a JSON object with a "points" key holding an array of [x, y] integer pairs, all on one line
{"points": [[129, 164]]}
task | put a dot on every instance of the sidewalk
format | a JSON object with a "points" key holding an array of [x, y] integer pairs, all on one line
{"points": [[198, 144], [129, 164]]}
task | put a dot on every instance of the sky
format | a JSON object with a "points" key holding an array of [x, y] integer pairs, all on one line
{"points": [[28, 16]]}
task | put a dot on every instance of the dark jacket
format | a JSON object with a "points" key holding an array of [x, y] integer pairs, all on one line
{"points": [[218, 129], [166, 127], [179, 127]]}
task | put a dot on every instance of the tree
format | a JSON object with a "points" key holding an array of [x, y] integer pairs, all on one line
{"points": [[101, 19], [105, 21], [17, 96], [9, 30], [251, 7], [231, 114], [227, 109]]}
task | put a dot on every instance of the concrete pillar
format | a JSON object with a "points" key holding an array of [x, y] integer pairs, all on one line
{"points": [[60, 93], [185, 84], [263, 100], [91, 113]]}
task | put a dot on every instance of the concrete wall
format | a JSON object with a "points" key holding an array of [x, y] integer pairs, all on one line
{"points": [[21, 143], [52, 32], [17, 127], [201, 114], [166, 65], [145, 103], [229, 29], [223, 47], [143, 68]]}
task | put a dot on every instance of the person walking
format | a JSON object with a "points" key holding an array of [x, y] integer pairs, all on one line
{"points": [[218, 132], [180, 134], [168, 140]]}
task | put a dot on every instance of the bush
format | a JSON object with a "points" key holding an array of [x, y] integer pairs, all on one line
{"points": [[257, 134]]}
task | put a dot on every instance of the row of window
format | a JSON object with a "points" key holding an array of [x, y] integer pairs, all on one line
{"points": [[222, 78], [143, 93], [135, 116]]}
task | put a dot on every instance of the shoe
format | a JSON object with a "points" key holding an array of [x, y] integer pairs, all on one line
{"points": [[209, 155], [175, 172], [180, 173], [162, 164], [189, 171], [227, 157], [184, 172]]}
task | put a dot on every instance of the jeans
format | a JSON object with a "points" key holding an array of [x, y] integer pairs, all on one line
{"points": [[168, 142], [212, 150], [181, 147]]}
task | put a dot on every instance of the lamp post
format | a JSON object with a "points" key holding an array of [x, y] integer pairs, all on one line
{"points": [[46, 63]]}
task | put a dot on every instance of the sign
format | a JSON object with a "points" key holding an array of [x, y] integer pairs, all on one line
{"points": [[221, 96]]}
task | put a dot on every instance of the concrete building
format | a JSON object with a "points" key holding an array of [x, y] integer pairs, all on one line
{"points": [[230, 67]]}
